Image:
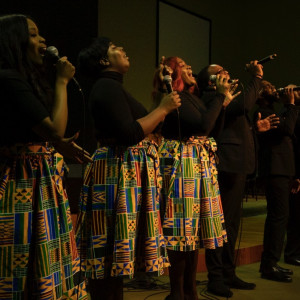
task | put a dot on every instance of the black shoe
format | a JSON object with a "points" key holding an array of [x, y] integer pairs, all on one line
{"points": [[292, 261], [218, 288], [275, 274], [237, 283], [284, 270]]}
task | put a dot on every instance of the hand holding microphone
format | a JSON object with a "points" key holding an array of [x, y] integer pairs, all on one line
{"points": [[172, 100], [294, 88], [255, 67], [64, 68], [226, 87], [213, 79]]}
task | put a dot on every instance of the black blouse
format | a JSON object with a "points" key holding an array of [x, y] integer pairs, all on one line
{"points": [[115, 111], [20, 109], [193, 117]]}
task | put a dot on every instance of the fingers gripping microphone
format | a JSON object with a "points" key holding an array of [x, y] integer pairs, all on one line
{"points": [[168, 82], [52, 52], [282, 90], [213, 79]]}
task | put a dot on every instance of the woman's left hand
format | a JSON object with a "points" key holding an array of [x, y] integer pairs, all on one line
{"points": [[68, 148]]}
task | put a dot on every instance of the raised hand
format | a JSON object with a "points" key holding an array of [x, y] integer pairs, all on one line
{"points": [[255, 69], [226, 88], [295, 188], [268, 123]]}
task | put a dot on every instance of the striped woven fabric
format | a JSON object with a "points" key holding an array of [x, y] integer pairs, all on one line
{"points": [[191, 206], [119, 229], [38, 256]]}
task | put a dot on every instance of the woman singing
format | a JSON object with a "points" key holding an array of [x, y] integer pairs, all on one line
{"points": [[38, 257], [192, 213], [119, 228]]}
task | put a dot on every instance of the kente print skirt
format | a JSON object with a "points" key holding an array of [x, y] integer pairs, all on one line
{"points": [[119, 229], [38, 256], [191, 207]]}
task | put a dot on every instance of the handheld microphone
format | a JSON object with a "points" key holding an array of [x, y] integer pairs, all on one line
{"points": [[281, 90], [213, 79], [267, 58], [168, 82], [53, 53]]}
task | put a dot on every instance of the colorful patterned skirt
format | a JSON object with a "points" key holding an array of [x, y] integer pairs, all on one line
{"points": [[192, 211], [38, 256], [119, 229]]}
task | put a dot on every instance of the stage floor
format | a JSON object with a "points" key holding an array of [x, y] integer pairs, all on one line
{"points": [[250, 247]]}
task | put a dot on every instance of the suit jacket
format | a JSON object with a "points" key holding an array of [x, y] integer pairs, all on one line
{"points": [[236, 139], [276, 148]]}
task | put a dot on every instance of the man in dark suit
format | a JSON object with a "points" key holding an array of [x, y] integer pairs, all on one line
{"points": [[292, 248], [276, 165], [236, 152]]}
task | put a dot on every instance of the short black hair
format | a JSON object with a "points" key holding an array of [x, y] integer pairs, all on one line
{"points": [[89, 58]]}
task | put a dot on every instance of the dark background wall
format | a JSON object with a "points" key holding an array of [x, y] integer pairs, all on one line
{"points": [[241, 31]]}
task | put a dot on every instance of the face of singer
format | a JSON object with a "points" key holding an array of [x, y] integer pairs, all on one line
{"points": [[267, 88], [36, 44], [215, 70], [118, 60], [186, 73]]}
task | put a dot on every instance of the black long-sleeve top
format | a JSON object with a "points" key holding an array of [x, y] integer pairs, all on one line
{"points": [[20, 111], [115, 111], [195, 119]]}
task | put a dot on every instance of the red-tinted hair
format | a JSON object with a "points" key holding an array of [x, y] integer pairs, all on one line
{"points": [[177, 82]]}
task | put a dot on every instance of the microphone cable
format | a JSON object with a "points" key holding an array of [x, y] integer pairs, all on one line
{"points": [[83, 102]]}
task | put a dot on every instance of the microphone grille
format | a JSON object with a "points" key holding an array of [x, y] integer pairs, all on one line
{"points": [[167, 79], [52, 51]]}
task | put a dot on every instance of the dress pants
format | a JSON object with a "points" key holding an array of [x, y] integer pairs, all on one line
{"points": [[292, 248], [277, 195], [220, 262]]}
